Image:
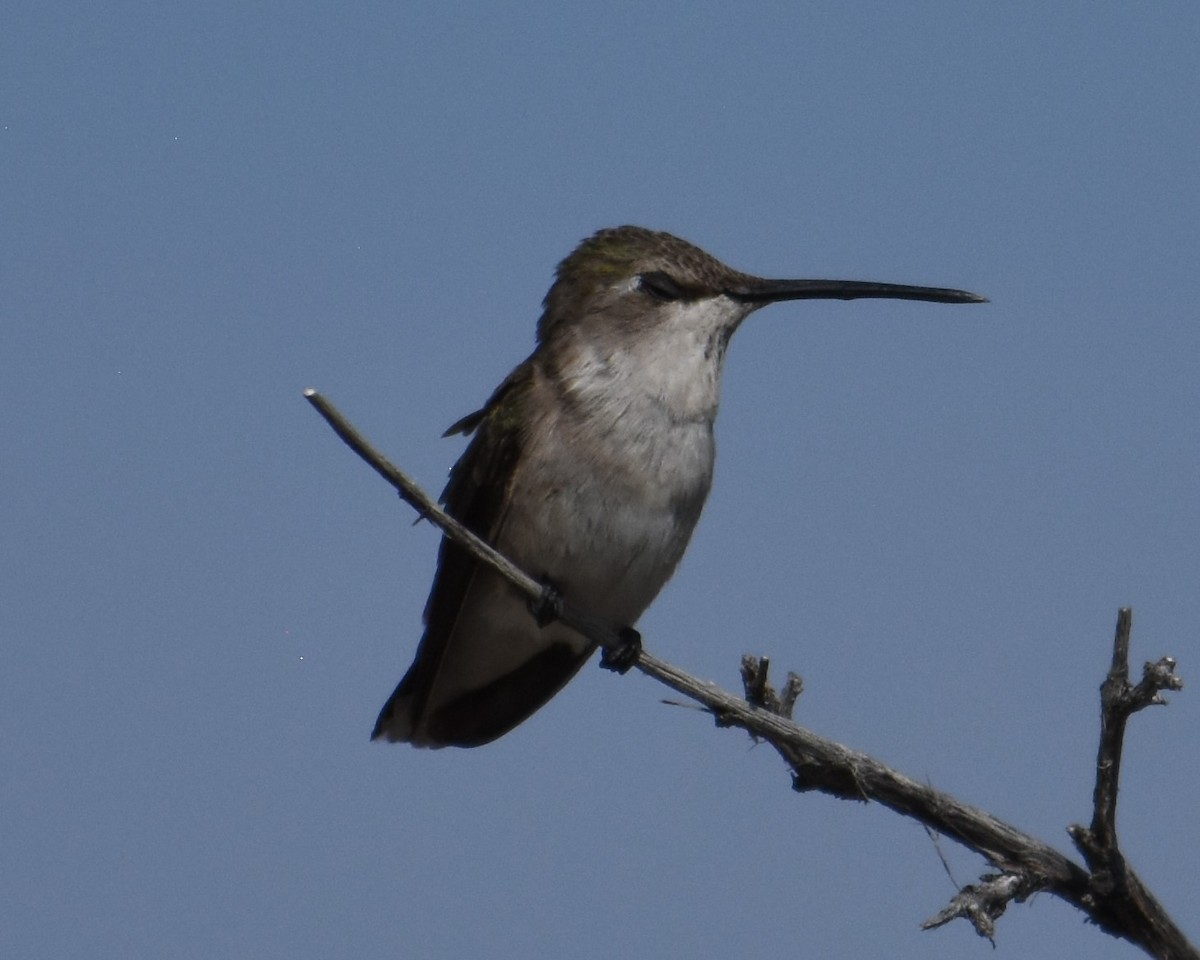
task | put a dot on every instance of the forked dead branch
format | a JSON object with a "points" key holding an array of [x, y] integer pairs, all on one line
{"points": [[1104, 887]]}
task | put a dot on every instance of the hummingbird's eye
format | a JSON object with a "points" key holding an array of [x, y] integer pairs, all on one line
{"points": [[660, 286]]}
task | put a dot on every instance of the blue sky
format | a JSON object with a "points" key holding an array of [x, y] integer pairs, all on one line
{"points": [[931, 513]]}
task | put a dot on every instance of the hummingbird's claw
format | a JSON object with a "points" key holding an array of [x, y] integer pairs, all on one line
{"points": [[548, 607], [623, 656]]}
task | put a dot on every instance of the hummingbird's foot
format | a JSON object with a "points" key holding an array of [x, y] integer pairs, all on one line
{"points": [[623, 656], [548, 607]]}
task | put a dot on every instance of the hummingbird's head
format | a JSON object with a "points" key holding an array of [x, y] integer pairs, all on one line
{"points": [[631, 273], [633, 311], [631, 270]]}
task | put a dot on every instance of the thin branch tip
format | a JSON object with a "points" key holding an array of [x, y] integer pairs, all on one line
{"points": [[759, 692], [983, 903]]}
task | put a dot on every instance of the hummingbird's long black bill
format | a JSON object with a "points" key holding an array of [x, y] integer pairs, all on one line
{"points": [[772, 291]]}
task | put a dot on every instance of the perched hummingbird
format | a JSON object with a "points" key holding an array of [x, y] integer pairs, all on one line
{"points": [[588, 467]]}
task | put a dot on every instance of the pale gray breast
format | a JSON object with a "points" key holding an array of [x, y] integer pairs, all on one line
{"points": [[610, 503]]}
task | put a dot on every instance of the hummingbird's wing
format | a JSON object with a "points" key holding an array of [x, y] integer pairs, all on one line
{"points": [[483, 665]]}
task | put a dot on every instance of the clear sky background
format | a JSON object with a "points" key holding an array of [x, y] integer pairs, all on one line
{"points": [[932, 513]]}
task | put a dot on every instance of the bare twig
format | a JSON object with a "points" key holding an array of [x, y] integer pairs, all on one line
{"points": [[1117, 891], [760, 693], [1119, 700], [1108, 893], [983, 903]]}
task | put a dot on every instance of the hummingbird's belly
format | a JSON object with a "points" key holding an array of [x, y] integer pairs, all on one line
{"points": [[610, 531]]}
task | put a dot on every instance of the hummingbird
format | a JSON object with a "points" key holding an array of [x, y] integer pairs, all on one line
{"points": [[588, 467]]}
